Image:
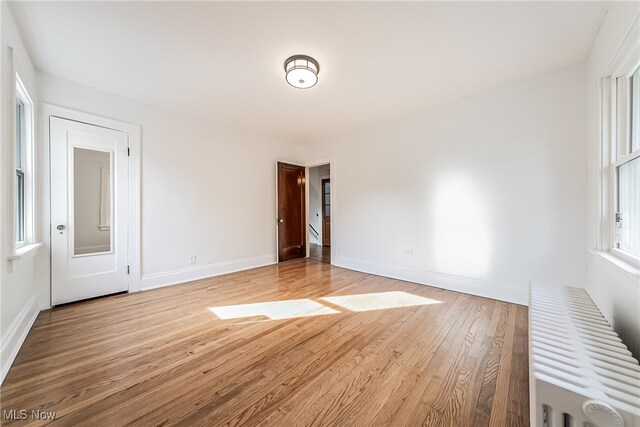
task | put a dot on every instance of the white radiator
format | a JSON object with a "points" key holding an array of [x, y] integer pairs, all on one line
{"points": [[580, 372]]}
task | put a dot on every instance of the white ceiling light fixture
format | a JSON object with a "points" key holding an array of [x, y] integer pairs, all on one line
{"points": [[302, 71]]}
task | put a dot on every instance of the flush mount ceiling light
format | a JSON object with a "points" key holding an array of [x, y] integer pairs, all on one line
{"points": [[302, 71]]}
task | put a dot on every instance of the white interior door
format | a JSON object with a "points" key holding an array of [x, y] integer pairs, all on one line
{"points": [[89, 185]]}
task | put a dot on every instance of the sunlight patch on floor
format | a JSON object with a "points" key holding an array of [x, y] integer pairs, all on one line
{"points": [[289, 309], [379, 301], [273, 310]]}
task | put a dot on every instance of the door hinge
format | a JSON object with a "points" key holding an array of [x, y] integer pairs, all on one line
{"points": [[128, 270], [128, 152]]}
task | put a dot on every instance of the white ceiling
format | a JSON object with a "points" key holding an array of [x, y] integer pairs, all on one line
{"points": [[222, 62]]}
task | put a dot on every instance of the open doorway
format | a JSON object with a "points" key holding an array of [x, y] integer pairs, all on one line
{"points": [[320, 213]]}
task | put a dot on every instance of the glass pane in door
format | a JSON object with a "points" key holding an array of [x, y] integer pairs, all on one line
{"points": [[92, 204]]}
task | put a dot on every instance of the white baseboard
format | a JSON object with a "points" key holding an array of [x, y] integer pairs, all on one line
{"points": [[16, 335], [463, 284], [174, 277]]}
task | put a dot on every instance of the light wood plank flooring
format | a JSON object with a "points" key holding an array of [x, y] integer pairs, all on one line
{"points": [[404, 354]]}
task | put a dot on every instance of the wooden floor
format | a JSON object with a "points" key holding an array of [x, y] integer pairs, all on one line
{"points": [[320, 253], [404, 354]]}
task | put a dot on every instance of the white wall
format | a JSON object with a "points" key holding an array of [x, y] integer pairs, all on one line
{"points": [[614, 289], [206, 190], [19, 278], [488, 193]]}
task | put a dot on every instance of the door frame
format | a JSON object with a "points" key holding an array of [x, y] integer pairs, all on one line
{"points": [[332, 177], [134, 134], [323, 204]]}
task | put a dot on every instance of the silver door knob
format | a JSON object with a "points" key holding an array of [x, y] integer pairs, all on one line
{"points": [[61, 227], [280, 220]]}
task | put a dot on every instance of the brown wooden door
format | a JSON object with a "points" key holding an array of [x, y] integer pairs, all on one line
{"points": [[292, 238], [326, 212]]}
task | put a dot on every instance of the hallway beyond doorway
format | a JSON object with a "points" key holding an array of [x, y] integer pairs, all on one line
{"points": [[320, 253]]}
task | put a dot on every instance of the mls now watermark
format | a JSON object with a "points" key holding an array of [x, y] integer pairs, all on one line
{"points": [[28, 414]]}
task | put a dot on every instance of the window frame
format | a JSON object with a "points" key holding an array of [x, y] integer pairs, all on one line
{"points": [[20, 148], [616, 144], [23, 229]]}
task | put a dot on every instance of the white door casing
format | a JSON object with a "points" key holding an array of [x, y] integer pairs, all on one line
{"points": [[76, 275]]}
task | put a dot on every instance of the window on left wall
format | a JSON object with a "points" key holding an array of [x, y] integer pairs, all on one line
{"points": [[23, 150]]}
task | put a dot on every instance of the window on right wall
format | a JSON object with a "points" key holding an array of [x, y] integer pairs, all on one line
{"points": [[625, 167]]}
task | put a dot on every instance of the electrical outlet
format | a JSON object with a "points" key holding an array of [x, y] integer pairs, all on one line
{"points": [[192, 259], [408, 251]]}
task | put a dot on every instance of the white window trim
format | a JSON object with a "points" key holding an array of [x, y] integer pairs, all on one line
{"points": [[29, 246], [614, 132], [23, 95], [25, 251]]}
